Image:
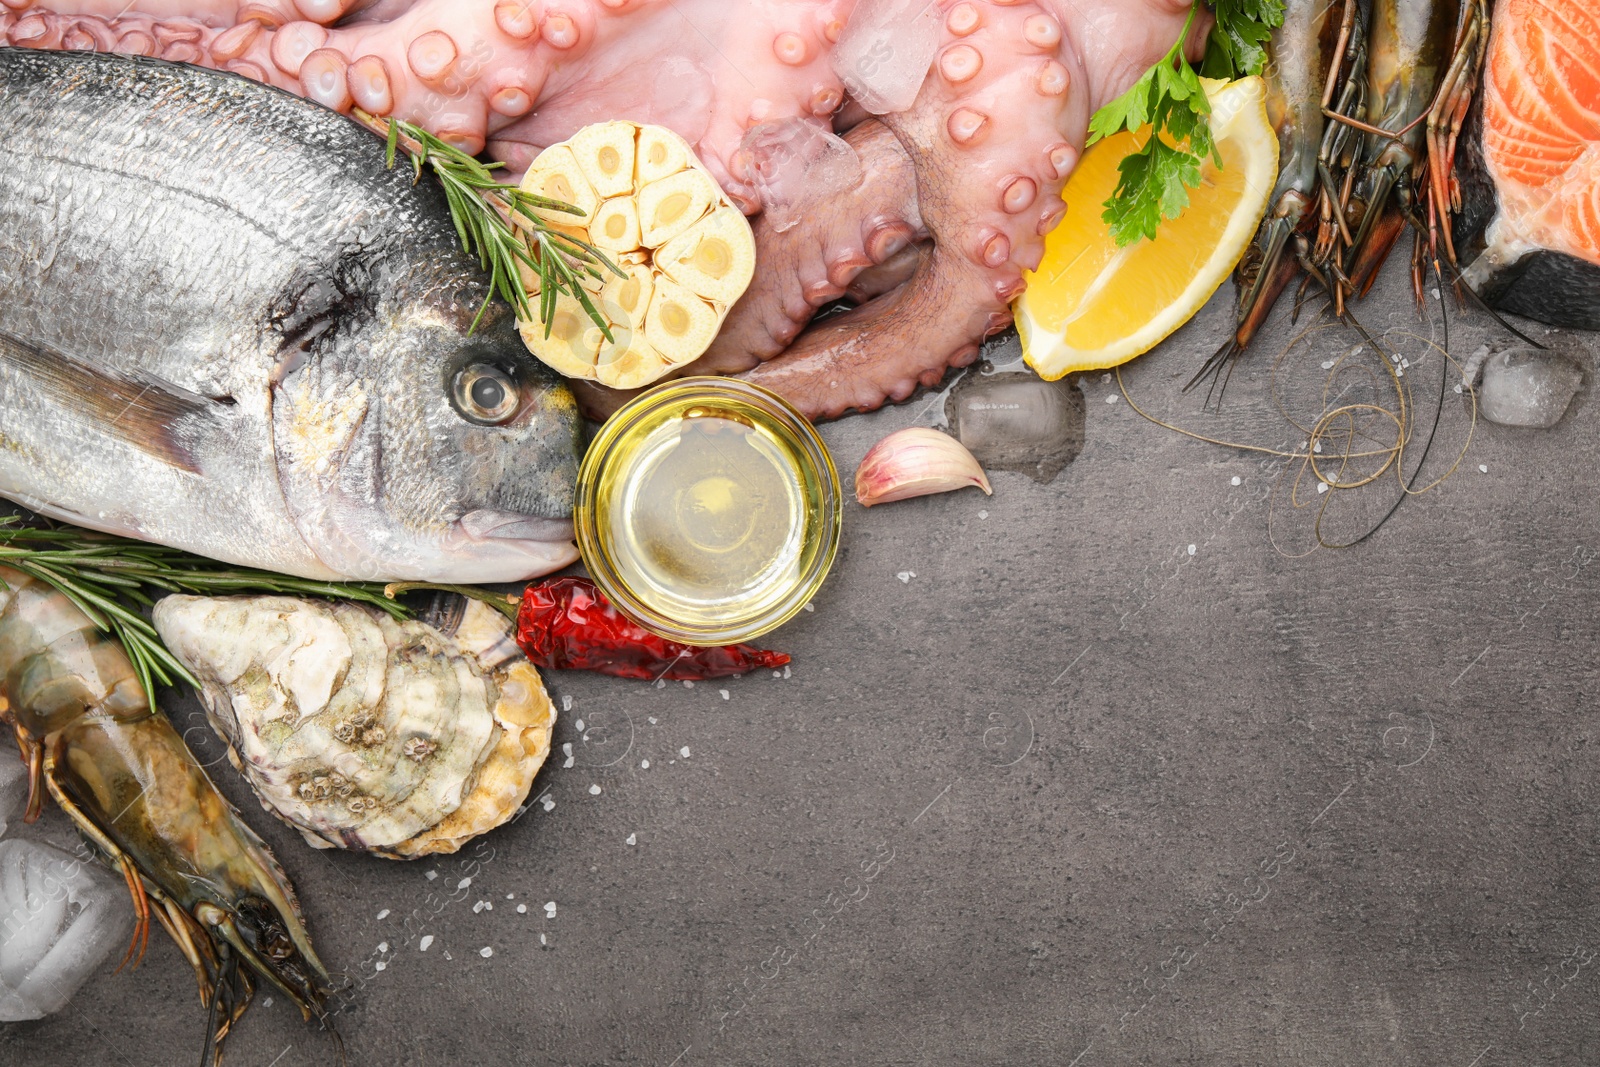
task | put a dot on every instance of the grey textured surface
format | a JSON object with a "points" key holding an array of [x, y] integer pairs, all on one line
{"points": [[1075, 793]]}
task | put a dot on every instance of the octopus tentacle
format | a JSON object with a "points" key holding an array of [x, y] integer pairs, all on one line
{"points": [[816, 261], [220, 14], [693, 66], [892, 273], [473, 71], [996, 129], [869, 356], [992, 135]]}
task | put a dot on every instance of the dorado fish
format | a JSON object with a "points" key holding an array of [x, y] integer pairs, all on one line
{"points": [[228, 326]]}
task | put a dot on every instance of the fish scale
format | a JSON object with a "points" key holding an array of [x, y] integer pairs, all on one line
{"points": [[289, 311]]}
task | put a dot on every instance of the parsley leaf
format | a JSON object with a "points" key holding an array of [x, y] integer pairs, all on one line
{"points": [[1155, 179], [1238, 44]]}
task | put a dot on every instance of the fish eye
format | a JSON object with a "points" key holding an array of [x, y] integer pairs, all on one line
{"points": [[484, 393]]}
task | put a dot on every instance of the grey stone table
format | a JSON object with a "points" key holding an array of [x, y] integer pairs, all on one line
{"points": [[1086, 773]]}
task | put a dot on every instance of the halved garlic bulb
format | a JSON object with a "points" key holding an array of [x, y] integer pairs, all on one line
{"points": [[687, 251]]}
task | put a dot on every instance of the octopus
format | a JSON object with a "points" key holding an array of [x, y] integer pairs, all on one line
{"points": [[949, 128]]}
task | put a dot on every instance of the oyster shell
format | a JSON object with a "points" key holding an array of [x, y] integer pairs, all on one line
{"points": [[397, 738]]}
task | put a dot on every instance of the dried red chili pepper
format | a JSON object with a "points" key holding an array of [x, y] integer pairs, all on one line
{"points": [[566, 624]]}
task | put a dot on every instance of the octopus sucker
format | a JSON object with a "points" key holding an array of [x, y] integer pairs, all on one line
{"points": [[402, 739], [979, 160]]}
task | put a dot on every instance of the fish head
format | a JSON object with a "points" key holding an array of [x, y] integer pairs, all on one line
{"points": [[423, 452]]}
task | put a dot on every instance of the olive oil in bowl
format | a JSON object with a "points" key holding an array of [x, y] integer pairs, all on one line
{"points": [[708, 511]]}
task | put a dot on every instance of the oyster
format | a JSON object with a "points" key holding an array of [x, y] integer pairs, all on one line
{"points": [[397, 738]]}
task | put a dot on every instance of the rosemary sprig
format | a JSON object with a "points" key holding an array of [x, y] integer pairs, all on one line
{"points": [[110, 579], [497, 221]]}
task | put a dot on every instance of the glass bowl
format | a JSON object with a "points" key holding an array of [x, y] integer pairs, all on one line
{"points": [[708, 511]]}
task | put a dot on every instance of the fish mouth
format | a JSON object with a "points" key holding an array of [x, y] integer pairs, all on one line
{"points": [[489, 546], [488, 524]]}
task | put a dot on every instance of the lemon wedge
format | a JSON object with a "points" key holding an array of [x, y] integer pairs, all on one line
{"points": [[1092, 305]]}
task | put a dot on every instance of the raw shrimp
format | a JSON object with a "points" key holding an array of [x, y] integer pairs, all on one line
{"points": [[117, 767]]}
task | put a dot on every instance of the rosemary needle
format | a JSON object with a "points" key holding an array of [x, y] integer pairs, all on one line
{"points": [[497, 221], [110, 579]]}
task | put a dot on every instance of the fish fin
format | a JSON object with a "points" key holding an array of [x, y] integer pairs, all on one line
{"points": [[144, 412]]}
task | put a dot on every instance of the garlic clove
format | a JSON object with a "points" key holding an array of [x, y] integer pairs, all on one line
{"points": [[605, 152], [916, 462], [661, 153], [556, 175]]}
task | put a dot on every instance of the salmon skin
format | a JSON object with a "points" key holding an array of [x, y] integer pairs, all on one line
{"points": [[228, 326], [1530, 172]]}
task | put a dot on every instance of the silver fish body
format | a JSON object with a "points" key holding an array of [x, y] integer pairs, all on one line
{"points": [[227, 325]]}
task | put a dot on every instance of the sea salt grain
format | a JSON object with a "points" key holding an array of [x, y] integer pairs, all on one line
{"points": [[430, 875], [1327, 364], [723, 693], [594, 790], [1483, 468], [548, 802], [578, 725], [486, 952], [522, 909], [550, 910], [906, 576], [1237, 480], [566, 702], [661, 684], [1193, 549], [652, 720], [644, 765], [684, 751], [384, 914], [688, 684], [463, 883], [425, 943], [809, 607], [1112, 399], [380, 966], [383, 946], [983, 514], [267, 1003], [633, 839], [479, 906]]}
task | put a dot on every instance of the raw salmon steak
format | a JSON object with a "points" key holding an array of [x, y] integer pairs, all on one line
{"points": [[1541, 153]]}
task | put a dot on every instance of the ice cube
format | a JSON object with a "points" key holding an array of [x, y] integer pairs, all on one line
{"points": [[885, 52], [13, 790], [1527, 387], [795, 162], [1018, 422], [63, 915]]}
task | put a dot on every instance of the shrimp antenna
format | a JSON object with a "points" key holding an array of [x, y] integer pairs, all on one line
{"points": [[211, 1053], [1460, 285]]}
